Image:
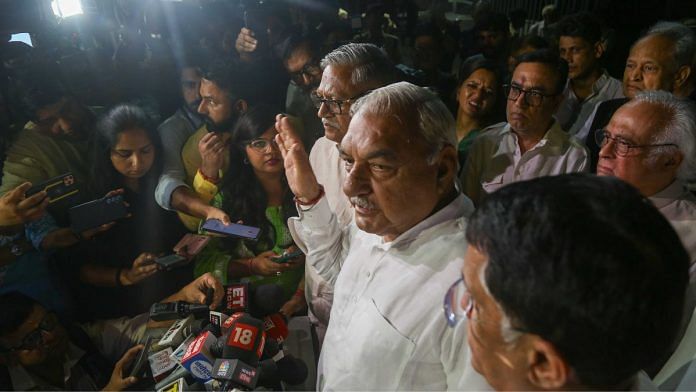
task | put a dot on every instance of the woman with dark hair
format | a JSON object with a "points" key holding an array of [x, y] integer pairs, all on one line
{"points": [[256, 192], [120, 277], [480, 101]]}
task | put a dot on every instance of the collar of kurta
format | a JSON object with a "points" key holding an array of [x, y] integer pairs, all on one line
{"points": [[674, 191]]}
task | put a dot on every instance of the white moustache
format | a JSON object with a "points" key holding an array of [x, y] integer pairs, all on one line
{"points": [[362, 202]]}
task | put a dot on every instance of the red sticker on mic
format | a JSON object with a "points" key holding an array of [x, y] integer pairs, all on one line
{"points": [[243, 336]]}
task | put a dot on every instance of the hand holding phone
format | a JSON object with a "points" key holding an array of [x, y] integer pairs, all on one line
{"points": [[138, 368], [97, 212], [56, 188], [287, 256], [190, 245], [232, 230]]}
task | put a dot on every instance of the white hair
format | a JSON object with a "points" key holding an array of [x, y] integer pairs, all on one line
{"points": [[684, 40], [679, 128], [369, 63], [435, 122]]}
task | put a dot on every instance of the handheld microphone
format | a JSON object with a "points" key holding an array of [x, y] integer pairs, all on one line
{"points": [[236, 298], [197, 359], [175, 310], [266, 299], [292, 370], [244, 340], [235, 373], [276, 327]]}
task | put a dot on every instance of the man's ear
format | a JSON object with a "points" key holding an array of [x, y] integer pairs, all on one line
{"points": [[547, 368], [447, 168], [599, 49], [674, 161], [681, 76], [241, 106]]}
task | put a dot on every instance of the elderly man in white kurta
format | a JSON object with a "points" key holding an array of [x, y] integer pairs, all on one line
{"points": [[390, 268]]}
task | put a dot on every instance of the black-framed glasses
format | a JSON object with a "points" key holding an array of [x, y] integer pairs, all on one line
{"points": [[622, 147], [335, 106], [260, 144], [34, 339], [309, 69], [458, 303], [531, 97]]}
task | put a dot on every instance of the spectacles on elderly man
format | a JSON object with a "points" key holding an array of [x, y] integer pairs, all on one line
{"points": [[34, 339], [335, 106], [458, 303], [621, 147]]}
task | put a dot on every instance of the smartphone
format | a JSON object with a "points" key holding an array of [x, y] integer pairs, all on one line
{"points": [[233, 229], [285, 257], [57, 187], [170, 262], [96, 213], [138, 368], [191, 244]]}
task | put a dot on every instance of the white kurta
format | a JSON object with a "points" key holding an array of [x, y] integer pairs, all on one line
{"points": [[387, 328]]}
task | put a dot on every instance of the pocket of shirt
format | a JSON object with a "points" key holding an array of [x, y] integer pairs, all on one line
{"points": [[373, 355]]}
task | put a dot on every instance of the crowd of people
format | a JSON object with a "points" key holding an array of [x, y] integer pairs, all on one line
{"points": [[502, 171]]}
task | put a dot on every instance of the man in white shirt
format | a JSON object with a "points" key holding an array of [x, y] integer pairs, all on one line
{"points": [[580, 44], [650, 142], [349, 72], [390, 267], [569, 282], [531, 144]]}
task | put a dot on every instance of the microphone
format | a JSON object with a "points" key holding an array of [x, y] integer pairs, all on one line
{"points": [[175, 310], [234, 372], [244, 340], [178, 331], [292, 370], [197, 358], [276, 327], [236, 298], [266, 299]]}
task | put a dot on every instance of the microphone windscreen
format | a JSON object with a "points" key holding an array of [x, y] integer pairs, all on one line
{"points": [[292, 370], [267, 299]]}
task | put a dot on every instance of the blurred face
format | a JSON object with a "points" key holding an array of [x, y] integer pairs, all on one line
{"points": [[478, 93], [133, 154], [428, 53], [45, 331], [63, 119], [303, 69], [190, 87], [217, 107], [582, 56], [390, 183], [336, 84], [500, 362], [525, 118], [263, 153], [637, 125], [649, 66], [491, 42]]}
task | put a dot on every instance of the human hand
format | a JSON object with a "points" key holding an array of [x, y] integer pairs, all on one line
{"points": [[216, 213], [213, 151], [263, 264], [294, 305], [246, 43], [17, 209], [197, 291], [298, 170], [143, 266], [117, 381]]}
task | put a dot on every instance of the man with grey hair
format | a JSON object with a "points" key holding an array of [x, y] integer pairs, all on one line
{"points": [[663, 59], [348, 73], [650, 142], [390, 267]]}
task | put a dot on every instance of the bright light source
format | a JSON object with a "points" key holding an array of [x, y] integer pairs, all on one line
{"points": [[22, 37], [66, 8]]}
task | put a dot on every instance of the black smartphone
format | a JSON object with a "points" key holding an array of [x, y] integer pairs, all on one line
{"points": [[285, 257], [170, 262], [137, 368], [233, 229], [96, 213], [57, 187]]}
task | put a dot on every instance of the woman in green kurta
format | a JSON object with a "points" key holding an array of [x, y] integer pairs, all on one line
{"points": [[255, 191]]}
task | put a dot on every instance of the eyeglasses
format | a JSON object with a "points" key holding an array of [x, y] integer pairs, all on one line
{"points": [[531, 97], [458, 303], [34, 339], [335, 106], [621, 147], [260, 144], [309, 69]]}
